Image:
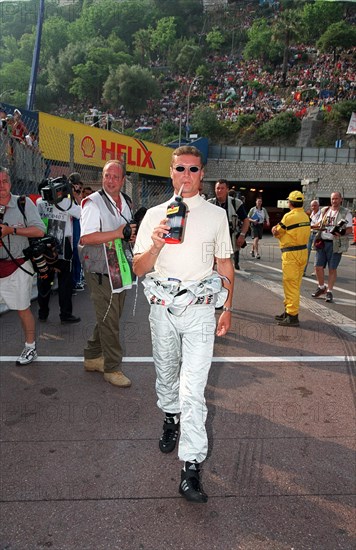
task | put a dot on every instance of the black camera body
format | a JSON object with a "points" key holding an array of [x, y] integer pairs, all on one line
{"points": [[339, 228], [43, 254], [137, 219], [56, 190]]}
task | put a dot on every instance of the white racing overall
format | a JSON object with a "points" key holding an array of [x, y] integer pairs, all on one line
{"points": [[182, 320]]}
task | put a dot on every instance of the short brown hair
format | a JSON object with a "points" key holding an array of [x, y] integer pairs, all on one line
{"points": [[188, 150]]}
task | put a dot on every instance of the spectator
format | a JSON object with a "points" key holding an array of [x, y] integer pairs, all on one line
{"points": [[19, 130], [293, 232], [183, 291], [258, 216], [105, 215], [16, 272], [332, 243]]}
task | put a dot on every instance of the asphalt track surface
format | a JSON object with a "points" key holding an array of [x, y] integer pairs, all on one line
{"points": [[80, 464]]}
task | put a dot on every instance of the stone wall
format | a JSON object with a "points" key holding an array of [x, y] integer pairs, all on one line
{"points": [[317, 179]]}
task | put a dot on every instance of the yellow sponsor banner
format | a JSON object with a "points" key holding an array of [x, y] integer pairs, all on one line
{"points": [[94, 147]]}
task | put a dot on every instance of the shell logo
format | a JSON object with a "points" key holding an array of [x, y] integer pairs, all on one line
{"points": [[88, 146]]}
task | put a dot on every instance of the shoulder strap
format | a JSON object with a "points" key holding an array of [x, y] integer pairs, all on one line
{"points": [[21, 202], [128, 199]]}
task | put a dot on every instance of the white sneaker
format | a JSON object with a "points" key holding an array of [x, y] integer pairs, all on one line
{"points": [[27, 356]]}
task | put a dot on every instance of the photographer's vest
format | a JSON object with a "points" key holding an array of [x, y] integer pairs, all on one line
{"points": [[92, 257], [232, 207]]}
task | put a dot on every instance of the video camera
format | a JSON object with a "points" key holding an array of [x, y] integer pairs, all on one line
{"points": [[56, 189], [339, 228]]}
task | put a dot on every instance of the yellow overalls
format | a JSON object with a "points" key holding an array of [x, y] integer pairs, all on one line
{"points": [[293, 234]]}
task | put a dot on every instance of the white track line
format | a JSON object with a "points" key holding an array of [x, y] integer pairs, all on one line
{"points": [[339, 289], [257, 359]]}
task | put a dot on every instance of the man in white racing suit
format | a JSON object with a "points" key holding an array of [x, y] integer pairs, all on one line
{"points": [[183, 291]]}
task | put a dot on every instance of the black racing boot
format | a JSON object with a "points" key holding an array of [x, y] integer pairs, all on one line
{"points": [[289, 321], [190, 486], [170, 434], [280, 317]]}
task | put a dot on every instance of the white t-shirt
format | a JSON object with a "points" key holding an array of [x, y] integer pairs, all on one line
{"points": [[206, 236], [59, 223], [329, 223]]}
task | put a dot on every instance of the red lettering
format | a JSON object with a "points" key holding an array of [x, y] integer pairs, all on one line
{"points": [[120, 151], [130, 160], [105, 150], [147, 160]]}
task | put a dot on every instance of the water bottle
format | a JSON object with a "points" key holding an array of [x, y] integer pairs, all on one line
{"points": [[176, 213]]}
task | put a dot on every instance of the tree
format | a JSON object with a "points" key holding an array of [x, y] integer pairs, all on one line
{"points": [[185, 56], [260, 44], [130, 86], [287, 28], [215, 39], [60, 72], [55, 38], [106, 16], [205, 122], [163, 36], [15, 76], [317, 17], [90, 76], [282, 126], [338, 35], [142, 46]]}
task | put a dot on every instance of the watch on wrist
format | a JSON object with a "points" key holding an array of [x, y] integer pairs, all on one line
{"points": [[242, 234], [15, 231], [228, 308]]}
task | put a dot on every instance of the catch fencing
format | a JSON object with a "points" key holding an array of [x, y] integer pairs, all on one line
{"points": [[28, 168]]}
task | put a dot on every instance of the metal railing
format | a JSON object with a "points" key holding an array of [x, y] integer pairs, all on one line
{"points": [[284, 154]]}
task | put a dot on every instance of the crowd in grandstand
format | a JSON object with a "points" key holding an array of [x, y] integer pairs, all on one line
{"points": [[248, 87]]}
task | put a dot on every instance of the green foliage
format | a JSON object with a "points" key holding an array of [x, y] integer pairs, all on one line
{"points": [[185, 56], [55, 37], [205, 122], [337, 35], [142, 46], [260, 44], [163, 36], [102, 18], [215, 39], [15, 76], [281, 126], [130, 86], [342, 111], [317, 17]]}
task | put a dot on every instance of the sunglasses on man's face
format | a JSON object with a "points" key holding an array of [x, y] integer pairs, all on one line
{"points": [[193, 169]]}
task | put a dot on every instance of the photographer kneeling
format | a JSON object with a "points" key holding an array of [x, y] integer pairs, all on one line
{"points": [[56, 208], [15, 272]]}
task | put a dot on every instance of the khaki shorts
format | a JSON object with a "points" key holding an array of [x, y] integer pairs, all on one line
{"points": [[16, 289]]}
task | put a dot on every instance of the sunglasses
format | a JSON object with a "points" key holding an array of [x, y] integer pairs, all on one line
{"points": [[193, 169]]}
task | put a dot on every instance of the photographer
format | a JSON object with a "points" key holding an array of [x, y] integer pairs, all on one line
{"points": [[57, 212], [332, 241], [104, 228], [15, 272], [236, 215]]}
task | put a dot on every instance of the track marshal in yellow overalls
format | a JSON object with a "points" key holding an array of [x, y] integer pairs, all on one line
{"points": [[293, 233]]}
